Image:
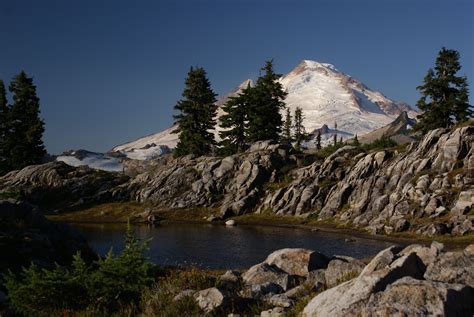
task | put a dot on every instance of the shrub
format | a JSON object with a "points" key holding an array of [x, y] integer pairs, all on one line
{"points": [[381, 143], [107, 285], [328, 150], [40, 292]]}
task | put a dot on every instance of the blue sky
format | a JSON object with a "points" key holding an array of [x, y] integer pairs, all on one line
{"points": [[111, 71]]}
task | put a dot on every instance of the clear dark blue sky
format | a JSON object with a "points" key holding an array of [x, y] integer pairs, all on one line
{"points": [[111, 71]]}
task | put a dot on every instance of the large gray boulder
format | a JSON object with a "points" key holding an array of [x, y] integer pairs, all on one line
{"points": [[264, 273], [297, 261], [414, 281], [453, 267], [341, 269], [340, 300], [412, 297], [211, 298]]}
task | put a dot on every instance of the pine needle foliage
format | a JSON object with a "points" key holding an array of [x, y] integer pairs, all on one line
{"points": [[265, 120], [234, 122], [300, 134], [286, 134], [21, 128], [444, 95], [196, 112]]}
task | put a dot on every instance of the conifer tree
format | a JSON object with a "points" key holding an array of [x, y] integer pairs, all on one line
{"points": [[286, 135], [196, 115], [24, 140], [340, 140], [444, 99], [335, 133], [235, 122], [265, 119], [4, 124], [318, 140], [299, 130], [356, 141]]}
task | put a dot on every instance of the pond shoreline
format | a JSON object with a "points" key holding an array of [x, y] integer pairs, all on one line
{"points": [[451, 243]]}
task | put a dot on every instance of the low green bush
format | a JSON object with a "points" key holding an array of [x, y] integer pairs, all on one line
{"points": [[109, 284], [381, 143]]}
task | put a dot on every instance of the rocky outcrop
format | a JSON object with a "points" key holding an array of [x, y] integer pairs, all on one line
{"points": [[234, 184], [297, 262], [426, 188], [56, 185], [397, 131], [398, 283], [26, 236], [411, 297]]}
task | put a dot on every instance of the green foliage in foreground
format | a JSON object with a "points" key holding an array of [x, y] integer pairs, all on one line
{"points": [[110, 284]]}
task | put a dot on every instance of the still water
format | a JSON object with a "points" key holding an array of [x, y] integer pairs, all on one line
{"points": [[218, 246]]}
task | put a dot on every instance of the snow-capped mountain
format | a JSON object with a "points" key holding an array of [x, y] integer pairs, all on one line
{"points": [[326, 95]]}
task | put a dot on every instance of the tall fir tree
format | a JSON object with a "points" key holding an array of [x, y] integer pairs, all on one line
{"points": [[24, 140], [286, 134], [356, 141], [265, 119], [299, 130], [195, 119], [445, 96], [335, 133], [4, 129], [318, 140], [234, 122]]}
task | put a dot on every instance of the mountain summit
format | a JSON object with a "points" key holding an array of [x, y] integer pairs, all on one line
{"points": [[326, 95]]}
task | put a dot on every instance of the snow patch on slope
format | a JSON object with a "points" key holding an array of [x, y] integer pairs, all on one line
{"points": [[93, 160], [163, 138]]}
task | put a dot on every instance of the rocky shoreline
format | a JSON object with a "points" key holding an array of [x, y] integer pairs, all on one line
{"points": [[412, 281], [426, 188]]}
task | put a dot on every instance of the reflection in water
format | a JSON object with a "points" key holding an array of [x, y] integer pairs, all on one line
{"points": [[217, 246]]}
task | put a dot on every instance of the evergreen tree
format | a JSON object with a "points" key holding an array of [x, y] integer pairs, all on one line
{"points": [[300, 132], [335, 133], [4, 124], [196, 115], [444, 99], [286, 135], [340, 140], [235, 122], [265, 119], [356, 141], [24, 141], [318, 140]]}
